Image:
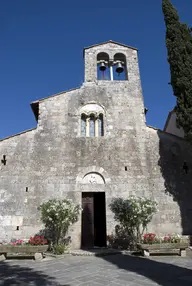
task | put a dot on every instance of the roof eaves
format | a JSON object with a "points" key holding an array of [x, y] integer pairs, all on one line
{"points": [[17, 134], [53, 95], [35, 109], [110, 41], [167, 133]]}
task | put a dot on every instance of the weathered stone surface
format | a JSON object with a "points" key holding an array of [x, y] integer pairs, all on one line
{"points": [[38, 256], [183, 253], [146, 253], [2, 257], [54, 161]]}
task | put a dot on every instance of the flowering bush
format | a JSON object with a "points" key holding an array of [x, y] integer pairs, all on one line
{"points": [[133, 214], [171, 238], [151, 238], [58, 215], [37, 240], [17, 242], [120, 240]]}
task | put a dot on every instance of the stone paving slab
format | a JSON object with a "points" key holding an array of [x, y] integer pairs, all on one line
{"points": [[111, 270]]}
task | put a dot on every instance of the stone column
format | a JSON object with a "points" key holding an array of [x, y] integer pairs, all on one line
{"points": [[182, 252], [87, 126], [96, 127], [2, 257], [146, 252], [111, 72]]}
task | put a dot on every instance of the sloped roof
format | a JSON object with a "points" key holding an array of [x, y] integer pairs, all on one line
{"points": [[166, 133], [107, 42], [35, 104], [17, 134]]}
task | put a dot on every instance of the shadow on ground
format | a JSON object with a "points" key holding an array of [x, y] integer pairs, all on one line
{"points": [[14, 275], [165, 274]]}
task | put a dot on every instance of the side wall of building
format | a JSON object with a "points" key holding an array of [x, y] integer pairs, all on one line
{"points": [[169, 181], [17, 206], [171, 126]]}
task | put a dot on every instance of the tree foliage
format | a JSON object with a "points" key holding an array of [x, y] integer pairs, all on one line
{"points": [[57, 216], [133, 214], [179, 48]]}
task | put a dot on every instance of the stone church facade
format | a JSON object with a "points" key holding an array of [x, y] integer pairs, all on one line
{"points": [[91, 144]]}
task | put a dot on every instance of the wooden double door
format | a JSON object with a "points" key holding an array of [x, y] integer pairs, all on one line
{"points": [[93, 230]]}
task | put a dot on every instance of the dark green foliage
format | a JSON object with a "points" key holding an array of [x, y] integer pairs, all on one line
{"points": [[133, 214], [179, 47], [59, 249]]}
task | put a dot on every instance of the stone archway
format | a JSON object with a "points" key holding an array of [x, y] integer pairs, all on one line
{"points": [[93, 178], [94, 174], [93, 223]]}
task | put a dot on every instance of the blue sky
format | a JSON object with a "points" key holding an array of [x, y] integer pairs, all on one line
{"points": [[41, 51]]}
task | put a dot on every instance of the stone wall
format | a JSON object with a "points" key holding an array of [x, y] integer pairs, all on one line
{"points": [[170, 166], [171, 126]]}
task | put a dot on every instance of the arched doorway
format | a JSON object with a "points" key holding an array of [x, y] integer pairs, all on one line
{"points": [[93, 226]]}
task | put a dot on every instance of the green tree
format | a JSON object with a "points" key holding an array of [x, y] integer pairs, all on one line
{"points": [[133, 214], [179, 48], [58, 216]]}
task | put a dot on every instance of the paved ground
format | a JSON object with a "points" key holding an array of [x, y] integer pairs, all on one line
{"points": [[109, 270]]}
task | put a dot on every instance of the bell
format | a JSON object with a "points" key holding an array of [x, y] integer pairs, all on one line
{"points": [[102, 67], [119, 68]]}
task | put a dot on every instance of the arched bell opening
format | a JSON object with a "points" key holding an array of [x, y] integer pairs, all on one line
{"points": [[103, 70], [119, 67]]}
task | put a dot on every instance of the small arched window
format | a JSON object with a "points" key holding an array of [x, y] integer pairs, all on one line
{"points": [[120, 67], [92, 125]]}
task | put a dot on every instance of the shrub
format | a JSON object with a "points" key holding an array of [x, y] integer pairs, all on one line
{"points": [[120, 239], [150, 238], [58, 215], [37, 240], [60, 249], [174, 238], [133, 214], [17, 242]]}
